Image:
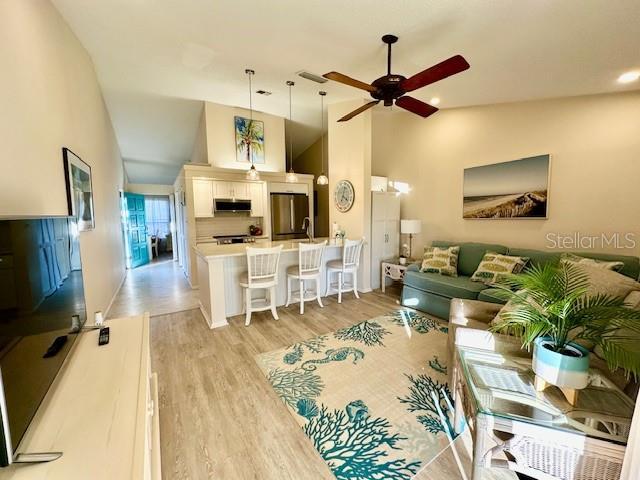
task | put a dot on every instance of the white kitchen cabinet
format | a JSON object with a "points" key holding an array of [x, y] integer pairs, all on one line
{"points": [[203, 198], [258, 200], [237, 190], [385, 231]]}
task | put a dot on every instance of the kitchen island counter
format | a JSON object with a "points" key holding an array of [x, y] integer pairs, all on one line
{"points": [[220, 267], [212, 250]]}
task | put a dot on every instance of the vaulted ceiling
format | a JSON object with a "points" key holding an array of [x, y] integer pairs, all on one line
{"points": [[157, 60]]}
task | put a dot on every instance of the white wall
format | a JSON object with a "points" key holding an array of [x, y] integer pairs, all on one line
{"points": [[50, 98], [221, 147], [310, 161], [199, 153], [594, 142], [350, 159], [149, 189]]}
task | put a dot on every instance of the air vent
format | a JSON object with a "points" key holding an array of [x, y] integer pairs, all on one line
{"points": [[312, 76], [263, 92]]}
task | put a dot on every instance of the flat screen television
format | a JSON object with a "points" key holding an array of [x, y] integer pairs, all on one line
{"points": [[41, 301]]}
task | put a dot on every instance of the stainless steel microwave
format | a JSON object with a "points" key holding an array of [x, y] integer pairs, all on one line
{"points": [[231, 205]]}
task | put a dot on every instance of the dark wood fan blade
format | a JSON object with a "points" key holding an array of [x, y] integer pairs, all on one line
{"points": [[416, 106], [358, 111], [352, 82], [451, 66]]}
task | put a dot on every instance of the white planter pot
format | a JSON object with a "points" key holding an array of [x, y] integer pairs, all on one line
{"points": [[561, 370]]}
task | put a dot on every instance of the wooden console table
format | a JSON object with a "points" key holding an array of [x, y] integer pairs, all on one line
{"points": [[101, 412]]}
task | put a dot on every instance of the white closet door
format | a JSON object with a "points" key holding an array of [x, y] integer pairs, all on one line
{"points": [[378, 246], [378, 206], [392, 211], [392, 245], [392, 227]]}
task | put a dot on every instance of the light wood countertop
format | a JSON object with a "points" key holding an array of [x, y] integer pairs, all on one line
{"points": [[210, 250]]}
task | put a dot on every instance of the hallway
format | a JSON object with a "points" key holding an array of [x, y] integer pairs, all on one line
{"points": [[157, 288]]}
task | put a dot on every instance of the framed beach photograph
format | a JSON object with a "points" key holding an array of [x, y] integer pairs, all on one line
{"points": [[77, 176], [249, 140], [515, 189]]}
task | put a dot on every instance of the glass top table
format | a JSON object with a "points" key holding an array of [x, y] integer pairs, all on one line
{"points": [[502, 386]]}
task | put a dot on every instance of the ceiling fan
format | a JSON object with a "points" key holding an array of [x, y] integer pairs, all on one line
{"points": [[393, 87]]}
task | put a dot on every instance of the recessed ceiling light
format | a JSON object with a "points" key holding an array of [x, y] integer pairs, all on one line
{"points": [[629, 77], [434, 101]]}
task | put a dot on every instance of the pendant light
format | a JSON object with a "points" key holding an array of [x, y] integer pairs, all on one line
{"points": [[322, 179], [291, 176], [252, 173]]}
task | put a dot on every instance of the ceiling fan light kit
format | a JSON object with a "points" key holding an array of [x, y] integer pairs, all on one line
{"points": [[392, 88]]}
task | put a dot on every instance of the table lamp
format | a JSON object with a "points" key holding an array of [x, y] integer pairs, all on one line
{"points": [[410, 227]]}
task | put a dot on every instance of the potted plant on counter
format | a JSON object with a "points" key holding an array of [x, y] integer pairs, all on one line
{"points": [[551, 309]]}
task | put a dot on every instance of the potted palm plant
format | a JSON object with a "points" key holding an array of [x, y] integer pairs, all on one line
{"points": [[550, 309]]}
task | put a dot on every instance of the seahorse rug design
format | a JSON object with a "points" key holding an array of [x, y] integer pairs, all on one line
{"points": [[372, 397]]}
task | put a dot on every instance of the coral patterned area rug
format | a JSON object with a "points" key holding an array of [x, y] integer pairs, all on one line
{"points": [[371, 397]]}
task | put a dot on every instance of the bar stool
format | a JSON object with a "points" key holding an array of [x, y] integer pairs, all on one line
{"points": [[308, 268], [347, 265], [261, 274]]}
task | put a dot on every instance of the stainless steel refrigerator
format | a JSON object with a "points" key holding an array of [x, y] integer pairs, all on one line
{"points": [[287, 214]]}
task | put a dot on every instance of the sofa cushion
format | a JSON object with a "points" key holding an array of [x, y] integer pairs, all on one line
{"points": [[536, 257], [470, 254], [450, 287], [608, 282], [616, 266], [443, 261], [631, 264], [494, 267], [491, 295], [633, 300]]}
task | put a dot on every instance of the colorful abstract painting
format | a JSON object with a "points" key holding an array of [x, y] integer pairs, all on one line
{"points": [[249, 140]]}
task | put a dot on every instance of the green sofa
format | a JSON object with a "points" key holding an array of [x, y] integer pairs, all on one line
{"points": [[432, 292]]}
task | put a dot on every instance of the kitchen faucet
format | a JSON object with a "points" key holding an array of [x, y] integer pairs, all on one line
{"points": [[306, 225]]}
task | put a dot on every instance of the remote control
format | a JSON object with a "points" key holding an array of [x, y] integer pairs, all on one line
{"points": [[103, 338]]}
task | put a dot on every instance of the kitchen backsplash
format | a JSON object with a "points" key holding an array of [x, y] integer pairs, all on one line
{"points": [[228, 225]]}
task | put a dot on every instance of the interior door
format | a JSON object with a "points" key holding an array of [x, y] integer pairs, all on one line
{"points": [[136, 230]]}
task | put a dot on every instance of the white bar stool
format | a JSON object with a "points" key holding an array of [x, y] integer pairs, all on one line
{"points": [[308, 268], [262, 273], [348, 265]]}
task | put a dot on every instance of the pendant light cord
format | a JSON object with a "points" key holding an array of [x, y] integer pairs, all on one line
{"points": [[322, 94], [291, 84], [250, 73]]}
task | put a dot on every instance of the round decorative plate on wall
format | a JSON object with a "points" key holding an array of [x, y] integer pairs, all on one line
{"points": [[344, 195]]}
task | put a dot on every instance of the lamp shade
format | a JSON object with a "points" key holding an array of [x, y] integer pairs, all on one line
{"points": [[410, 226]]}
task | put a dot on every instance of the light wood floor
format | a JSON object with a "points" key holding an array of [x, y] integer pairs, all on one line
{"points": [[157, 288], [219, 417]]}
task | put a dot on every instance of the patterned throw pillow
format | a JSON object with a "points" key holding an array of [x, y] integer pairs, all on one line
{"points": [[578, 260], [441, 260], [494, 266], [608, 282]]}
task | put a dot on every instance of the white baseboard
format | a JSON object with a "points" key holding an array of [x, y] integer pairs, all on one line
{"points": [[108, 309]]}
